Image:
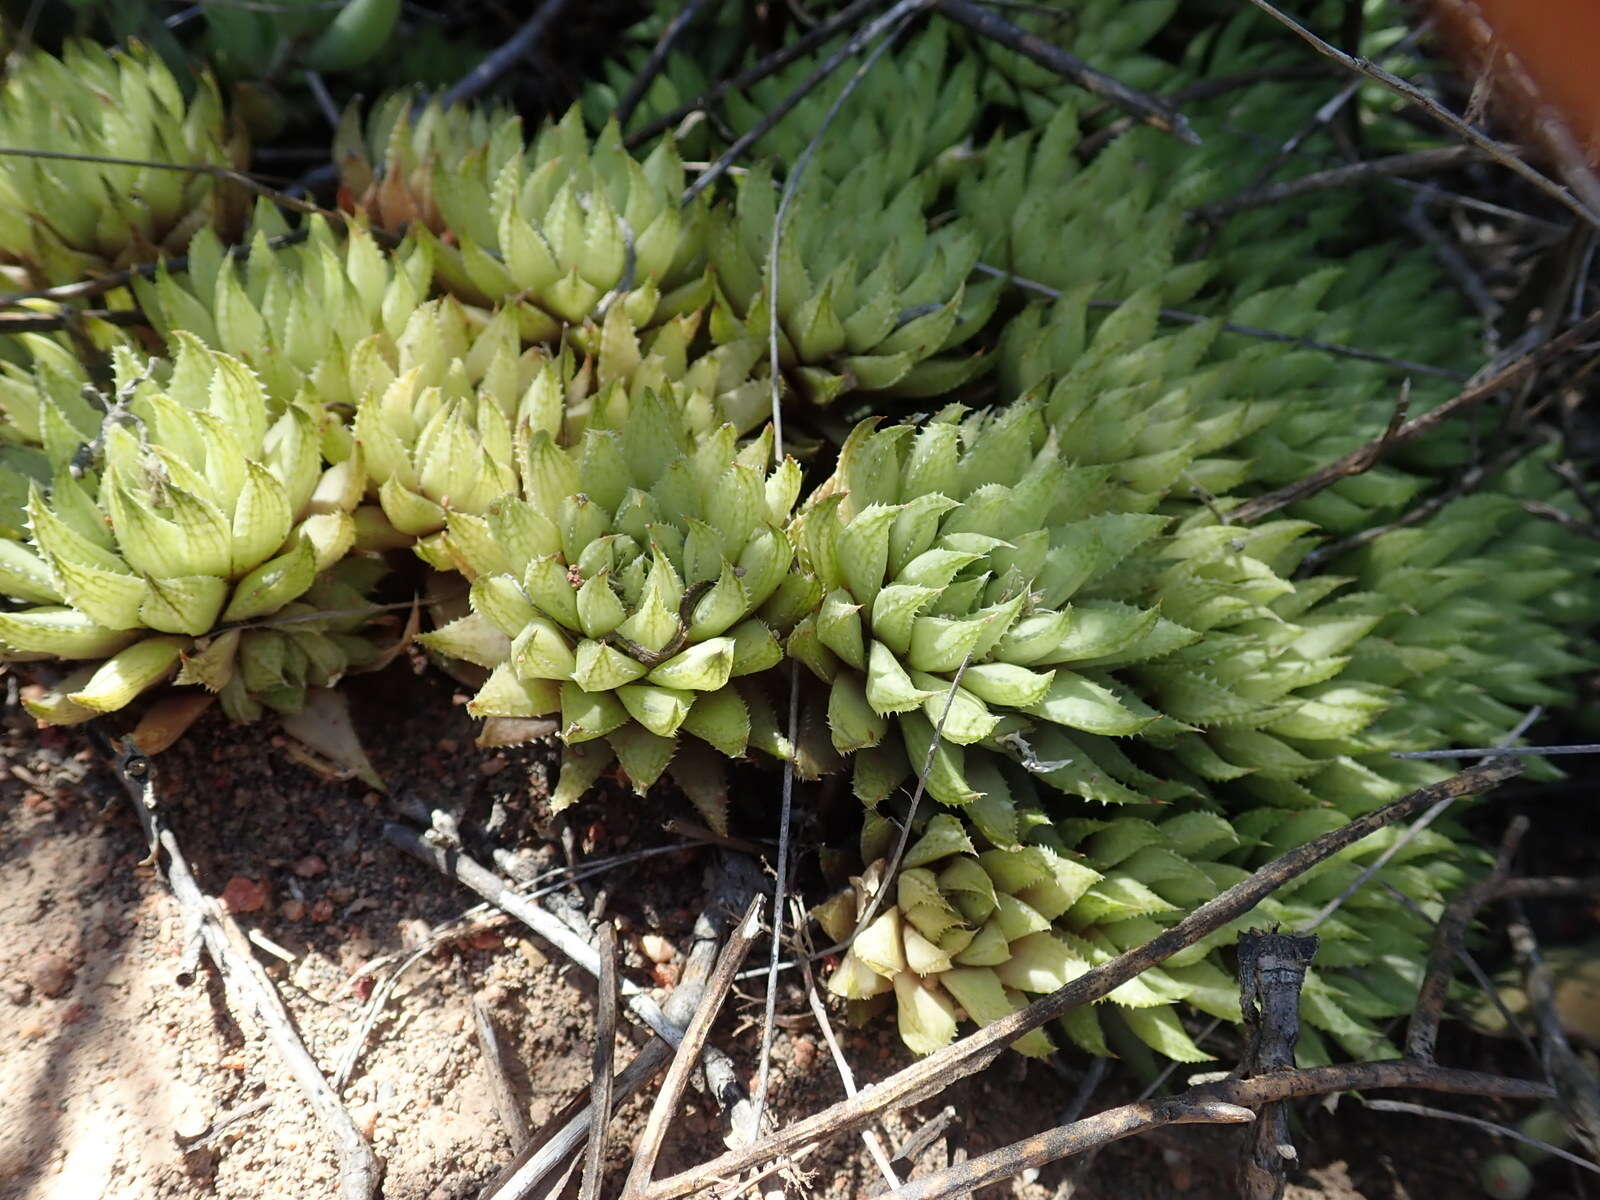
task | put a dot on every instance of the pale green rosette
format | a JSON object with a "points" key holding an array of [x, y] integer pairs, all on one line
{"points": [[194, 535], [622, 592], [62, 221]]}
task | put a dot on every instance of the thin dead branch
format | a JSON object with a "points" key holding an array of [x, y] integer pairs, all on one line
{"points": [[466, 871], [1110, 1126], [505, 1097], [1550, 512], [875, 901], [605, 1048], [881, 26], [1504, 155], [1458, 266], [891, 24], [496, 64], [1577, 1094], [1180, 317], [219, 173], [1496, 751], [1364, 457], [933, 1074], [248, 982], [565, 1133], [47, 322], [1201, 89], [1423, 1033], [683, 1063], [1230, 1101], [1152, 110], [869, 1137], [1413, 831], [1441, 158], [658, 57], [1505, 1131], [757, 71], [1470, 481], [101, 284], [1272, 970]]}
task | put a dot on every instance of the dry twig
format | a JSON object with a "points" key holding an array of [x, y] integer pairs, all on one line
{"points": [[1423, 1032], [1504, 155], [101, 284], [846, 1076], [465, 870], [605, 1048], [1438, 159], [1470, 481], [1180, 317], [1506, 1131], [776, 61], [658, 57], [505, 1098], [565, 1132], [886, 24], [683, 1063], [46, 322], [1228, 1102], [1152, 110], [1272, 970], [1364, 457], [502, 60], [1577, 1094], [245, 979]]}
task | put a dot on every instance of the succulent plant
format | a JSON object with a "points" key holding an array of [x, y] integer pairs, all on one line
{"points": [[1119, 701], [869, 298], [63, 220], [387, 162], [188, 533], [254, 43], [445, 412], [909, 116], [958, 933], [953, 550], [565, 225], [621, 592], [295, 306]]}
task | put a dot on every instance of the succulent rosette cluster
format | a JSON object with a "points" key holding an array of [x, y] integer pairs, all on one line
{"points": [[568, 226], [622, 590], [297, 305], [189, 534], [869, 298], [62, 220]]}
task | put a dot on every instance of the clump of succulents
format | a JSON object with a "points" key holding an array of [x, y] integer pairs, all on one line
{"points": [[622, 590], [388, 161], [566, 226], [64, 220], [295, 305], [869, 298], [187, 533]]}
